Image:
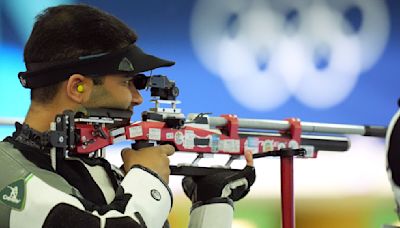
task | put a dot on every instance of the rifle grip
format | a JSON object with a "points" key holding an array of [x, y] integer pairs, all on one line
{"points": [[140, 144]]}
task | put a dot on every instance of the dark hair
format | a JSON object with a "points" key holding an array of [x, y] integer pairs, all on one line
{"points": [[68, 31]]}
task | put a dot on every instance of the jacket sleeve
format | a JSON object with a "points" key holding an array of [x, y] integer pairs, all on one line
{"points": [[393, 156], [142, 200], [216, 213]]}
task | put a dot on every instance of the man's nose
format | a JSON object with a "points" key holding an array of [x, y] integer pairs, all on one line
{"points": [[137, 99]]}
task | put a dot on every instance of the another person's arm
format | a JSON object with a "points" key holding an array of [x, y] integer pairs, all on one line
{"points": [[393, 157]]}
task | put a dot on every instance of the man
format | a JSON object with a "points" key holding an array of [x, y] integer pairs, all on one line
{"points": [[78, 57]]}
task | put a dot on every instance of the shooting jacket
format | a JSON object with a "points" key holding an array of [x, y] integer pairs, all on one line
{"points": [[85, 192], [393, 157]]}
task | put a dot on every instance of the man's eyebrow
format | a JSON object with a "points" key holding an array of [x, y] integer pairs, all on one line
{"points": [[126, 76]]}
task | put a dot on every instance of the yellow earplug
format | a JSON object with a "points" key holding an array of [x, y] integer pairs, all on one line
{"points": [[80, 88]]}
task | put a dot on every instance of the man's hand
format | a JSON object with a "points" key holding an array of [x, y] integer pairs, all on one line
{"points": [[153, 158], [231, 184]]}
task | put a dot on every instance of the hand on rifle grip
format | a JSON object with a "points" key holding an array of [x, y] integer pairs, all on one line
{"points": [[153, 158], [231, 184]]}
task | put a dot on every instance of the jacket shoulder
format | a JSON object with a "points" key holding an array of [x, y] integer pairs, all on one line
{"points": [[14, 166]]}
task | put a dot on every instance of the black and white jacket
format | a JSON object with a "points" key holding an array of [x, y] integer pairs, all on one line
{"points": [[85, 192], [393, 156]]}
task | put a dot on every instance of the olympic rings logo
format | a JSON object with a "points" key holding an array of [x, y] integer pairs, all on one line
{"points": [[269, 50]]}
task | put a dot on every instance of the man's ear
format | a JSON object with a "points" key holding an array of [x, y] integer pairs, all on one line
{"points": [[79, 88]]}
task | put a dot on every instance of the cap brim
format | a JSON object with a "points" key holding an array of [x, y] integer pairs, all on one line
{"points": [[143, 62]]}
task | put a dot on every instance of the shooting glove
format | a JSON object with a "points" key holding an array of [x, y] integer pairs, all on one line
{"points": [[232, 184]]}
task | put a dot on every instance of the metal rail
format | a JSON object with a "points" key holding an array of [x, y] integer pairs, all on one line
{"points": [[9, 121], [265, 124]]}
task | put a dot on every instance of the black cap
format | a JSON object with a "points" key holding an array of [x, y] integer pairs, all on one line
{"points": [[129, 60]]}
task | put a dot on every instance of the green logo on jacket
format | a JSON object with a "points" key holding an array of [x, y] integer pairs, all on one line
{"points": [[13, 195]]}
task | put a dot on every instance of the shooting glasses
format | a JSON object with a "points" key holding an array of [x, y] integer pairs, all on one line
{"points": [[130, 60]]}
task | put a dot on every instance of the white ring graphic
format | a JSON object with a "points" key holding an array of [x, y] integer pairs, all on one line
{"points": [[267, 51]]}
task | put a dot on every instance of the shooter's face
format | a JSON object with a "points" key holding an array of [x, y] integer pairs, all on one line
{"points": [[117, 91]]}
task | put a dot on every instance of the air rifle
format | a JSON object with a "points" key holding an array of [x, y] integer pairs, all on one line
{"points": [[90, 131]]}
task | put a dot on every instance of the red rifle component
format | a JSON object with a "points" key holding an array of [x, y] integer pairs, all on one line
{"points": [[287, 185], [186, 138], [90, 139]]}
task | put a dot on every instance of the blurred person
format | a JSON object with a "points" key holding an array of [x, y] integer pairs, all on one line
{"points": [[393, 159], [79, 57]]}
